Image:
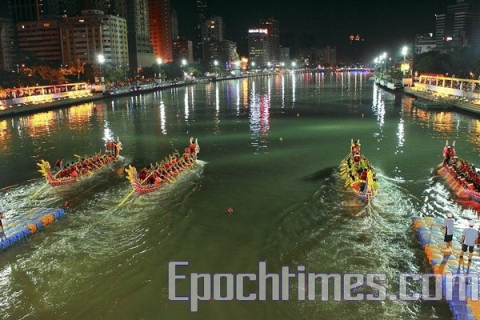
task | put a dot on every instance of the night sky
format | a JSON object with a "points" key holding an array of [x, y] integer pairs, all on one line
{"points": [[384, 25]]}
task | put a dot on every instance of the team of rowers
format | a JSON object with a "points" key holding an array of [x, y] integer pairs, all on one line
{"points": [[465, 173], [359, 167], [170, 168], [84, 166]]}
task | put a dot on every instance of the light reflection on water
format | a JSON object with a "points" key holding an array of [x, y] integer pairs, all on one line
{"points": [[270, 145]]}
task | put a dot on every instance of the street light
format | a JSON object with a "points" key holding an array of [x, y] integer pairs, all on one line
{"points": [[184, 62], [215, 63], [101, 60], [404, 52], [159, 63]]}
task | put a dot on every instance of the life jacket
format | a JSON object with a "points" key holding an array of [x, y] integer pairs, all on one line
{"points": [[363, 176]]}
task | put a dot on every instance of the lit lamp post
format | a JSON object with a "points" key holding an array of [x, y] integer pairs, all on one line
{"points": [[159, 63], [384, 57], [101, 60], [253, 65], [184, 64], [404, 64]]}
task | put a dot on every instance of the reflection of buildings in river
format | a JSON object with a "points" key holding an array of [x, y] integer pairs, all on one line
{"points": [[400, 134], [186, 111], [79, 115], [5, 136], [245, 93], [163, 119], [378, 106], [294, 87], [259, 121]]}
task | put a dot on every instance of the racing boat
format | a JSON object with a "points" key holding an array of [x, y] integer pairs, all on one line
{"points": [[167, 171], [460, 175], [355, 169], [81, 169]]}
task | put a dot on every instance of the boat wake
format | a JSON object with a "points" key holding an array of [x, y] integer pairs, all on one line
{"points": [[329, 230]]}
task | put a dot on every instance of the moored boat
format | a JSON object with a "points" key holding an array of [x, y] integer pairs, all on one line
{"points": [[167, 171], [82, 168], [460, 175], [358, 173]]}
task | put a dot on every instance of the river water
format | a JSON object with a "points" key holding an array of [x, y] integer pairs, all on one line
{"points": [[269, 150]]}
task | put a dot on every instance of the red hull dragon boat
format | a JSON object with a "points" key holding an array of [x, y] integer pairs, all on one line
{"points": [[83, 168], [154, 178], [460, 175], [358, 174]]}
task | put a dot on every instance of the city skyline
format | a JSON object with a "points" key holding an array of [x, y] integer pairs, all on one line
{"points": [[319, 24]]}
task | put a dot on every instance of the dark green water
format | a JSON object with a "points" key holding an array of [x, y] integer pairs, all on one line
{"points": [[269, 147]]}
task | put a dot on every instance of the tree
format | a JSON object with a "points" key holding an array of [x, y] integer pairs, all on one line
{"points": [[78, 67], [48, 75], [172, 71]]}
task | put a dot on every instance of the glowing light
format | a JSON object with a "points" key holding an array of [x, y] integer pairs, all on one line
{"points": [[101, 58], [265, 31]]}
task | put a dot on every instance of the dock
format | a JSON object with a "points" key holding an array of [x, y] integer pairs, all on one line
{"points": [[430, 105], [459, 278], [27, 223]]}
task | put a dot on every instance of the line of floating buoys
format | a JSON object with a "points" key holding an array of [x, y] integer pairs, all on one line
{"points": [[445, 263], [23, 225]]}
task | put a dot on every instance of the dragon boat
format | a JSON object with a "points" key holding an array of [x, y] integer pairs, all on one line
{"points": [[82, 168], [460, 175], [358, 174], [160, 174]]}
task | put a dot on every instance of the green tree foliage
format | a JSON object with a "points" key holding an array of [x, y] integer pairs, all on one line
{"points": [[47, 75], [459, 62], [172, 71]]}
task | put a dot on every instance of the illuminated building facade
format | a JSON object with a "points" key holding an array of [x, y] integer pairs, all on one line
{"points": [[140, 51], [92, 34], [273, 28], [258, 47], [182, 49], [161, 28], [424, 43]]}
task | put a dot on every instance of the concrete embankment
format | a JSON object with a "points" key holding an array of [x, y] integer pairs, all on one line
{"points": [[111, 94], [444, 103]]}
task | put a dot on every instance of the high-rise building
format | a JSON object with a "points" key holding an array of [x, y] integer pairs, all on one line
{"points": [[424, 43], [174, 25], [7, 44], [107, 6], [463, 23], [329, 56], [440, 30], [182, 49], [355, 49], [273, 28], [202, 14], [42, 39], [460, 26], [212, 29], [92, 34], [140, 50], [258, 47], [25, 10], [284, 54], [161, 28]]}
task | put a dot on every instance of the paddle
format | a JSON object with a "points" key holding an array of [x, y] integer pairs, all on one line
{"points": [[131, 193]]}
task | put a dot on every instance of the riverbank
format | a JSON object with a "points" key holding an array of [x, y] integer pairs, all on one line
{"points": [[448, 102], [29, 108]]}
